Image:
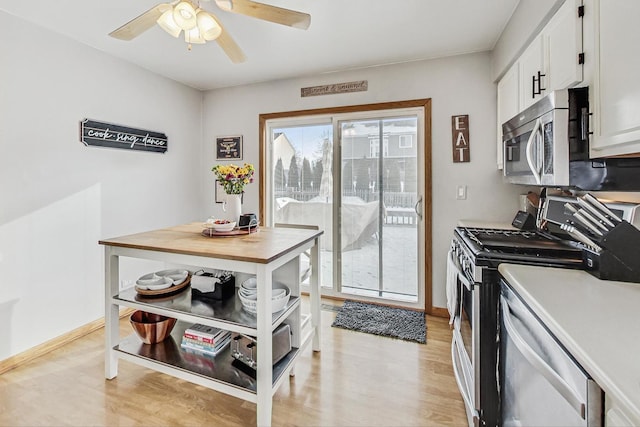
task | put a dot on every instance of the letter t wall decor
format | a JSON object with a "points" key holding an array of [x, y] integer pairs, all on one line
{"points": [[460, 138]]}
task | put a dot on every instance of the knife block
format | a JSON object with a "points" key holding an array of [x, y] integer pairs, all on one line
{"points": [[619, 258]]}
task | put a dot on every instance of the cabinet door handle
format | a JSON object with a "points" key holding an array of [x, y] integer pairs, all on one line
{"points": [[533, 84], [540, 88]]}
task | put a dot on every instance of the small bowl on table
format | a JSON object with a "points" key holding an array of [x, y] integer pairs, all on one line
{"points": [[220, 225], [151, 328]]}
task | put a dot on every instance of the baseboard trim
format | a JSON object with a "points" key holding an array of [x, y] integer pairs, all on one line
{"points": [[55, 343], [439, 312]]}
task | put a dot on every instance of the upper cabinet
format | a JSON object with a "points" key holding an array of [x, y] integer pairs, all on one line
{"points": [[508, 103], [562, 41], [552, 61], [615, 81], [533, 73]]}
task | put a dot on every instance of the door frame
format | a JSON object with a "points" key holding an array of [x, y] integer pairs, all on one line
{"points": [[425, 103]]}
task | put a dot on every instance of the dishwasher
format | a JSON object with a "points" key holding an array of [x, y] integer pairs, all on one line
{"points": [[541, 384]]}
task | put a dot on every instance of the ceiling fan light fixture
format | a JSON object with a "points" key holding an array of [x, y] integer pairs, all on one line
{"points": [[225, 5], [194, 36], [208, 26], [167, 23], [184, 15]]}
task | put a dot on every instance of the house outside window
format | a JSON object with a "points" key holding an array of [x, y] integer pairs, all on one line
{"points": [[405, 141], [374, 147]]}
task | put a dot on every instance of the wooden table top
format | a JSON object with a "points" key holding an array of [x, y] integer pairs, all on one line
{"points": [[263, 246]]}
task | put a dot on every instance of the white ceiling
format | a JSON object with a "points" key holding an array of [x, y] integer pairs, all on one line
{"points": [[344, 34]]}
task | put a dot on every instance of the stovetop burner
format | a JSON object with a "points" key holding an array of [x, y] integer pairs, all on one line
{"points": [[492, 246]]}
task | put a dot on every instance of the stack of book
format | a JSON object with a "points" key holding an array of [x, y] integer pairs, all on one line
{"points": [[205, 339]]}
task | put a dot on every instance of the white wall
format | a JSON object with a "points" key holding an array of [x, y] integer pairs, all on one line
{"points": [[456, 85], [58, 197]]}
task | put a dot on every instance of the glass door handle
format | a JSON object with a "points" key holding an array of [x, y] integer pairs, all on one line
{"points": [[415, 208]]}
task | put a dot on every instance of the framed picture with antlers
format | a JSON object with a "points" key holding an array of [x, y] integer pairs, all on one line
{"points": [[229, 148]]}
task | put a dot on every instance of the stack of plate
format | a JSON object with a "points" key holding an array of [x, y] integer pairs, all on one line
{"points": [[248, 294], [161, 279]]}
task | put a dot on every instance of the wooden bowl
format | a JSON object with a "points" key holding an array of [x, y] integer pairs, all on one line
{"points": [[151, 328]]}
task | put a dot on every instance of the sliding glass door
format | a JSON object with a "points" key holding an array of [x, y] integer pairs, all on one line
{"points": [[379, 206], [357, 177]]}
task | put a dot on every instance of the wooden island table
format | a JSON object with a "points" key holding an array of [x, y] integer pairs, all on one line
{"points": [[271, 254]]}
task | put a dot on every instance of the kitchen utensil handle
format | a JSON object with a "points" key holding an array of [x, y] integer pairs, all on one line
{"points": [[529, 152], [598, 204], [570, 207], [584, 221], [593, 219], [536, 361], [580, 236], [595, 212]]}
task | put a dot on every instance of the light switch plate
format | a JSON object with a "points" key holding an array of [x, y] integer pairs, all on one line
{"points": [[461, 192]]}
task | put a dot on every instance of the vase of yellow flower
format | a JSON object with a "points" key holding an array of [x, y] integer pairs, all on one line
{"points": [[233, 180], [232, 206]]}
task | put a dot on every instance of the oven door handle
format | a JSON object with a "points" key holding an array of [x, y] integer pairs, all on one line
{"points": [[529, 151], [536, 361], [462, 387], [463, 278]]}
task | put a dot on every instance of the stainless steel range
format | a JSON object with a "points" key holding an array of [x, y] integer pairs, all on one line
{"points": [[472, 297]]}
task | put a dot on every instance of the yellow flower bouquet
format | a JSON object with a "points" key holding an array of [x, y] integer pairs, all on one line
{"points": [[234, 178]]}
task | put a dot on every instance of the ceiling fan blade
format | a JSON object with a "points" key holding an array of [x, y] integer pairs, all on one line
{"points": [[231, 48], [140, 24], [228, 44], [267, 12]]}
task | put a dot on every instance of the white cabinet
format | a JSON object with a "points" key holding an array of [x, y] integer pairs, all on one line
{"points": [[552, 61], [533, 73], [615, 93], [508, 103], [562, 40], [615, 415]]}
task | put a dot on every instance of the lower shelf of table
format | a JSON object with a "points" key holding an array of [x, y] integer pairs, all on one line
{"points": [[218, 368]]}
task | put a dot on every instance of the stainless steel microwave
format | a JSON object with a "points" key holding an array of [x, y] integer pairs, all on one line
{"points": [[548, 145], [536, 142]]}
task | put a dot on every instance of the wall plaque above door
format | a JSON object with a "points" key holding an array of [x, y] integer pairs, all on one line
{"points": [[101, 134]]}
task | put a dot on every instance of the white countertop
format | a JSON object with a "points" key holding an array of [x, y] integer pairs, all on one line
{"points": [[597, 321]]}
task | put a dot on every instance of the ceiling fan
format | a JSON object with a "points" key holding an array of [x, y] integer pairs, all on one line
{"points": [[200, 26]]}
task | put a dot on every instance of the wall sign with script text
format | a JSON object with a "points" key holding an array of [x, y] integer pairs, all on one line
{"points": [[460, 140], [359, 86], [229, 148], [101, 134]]}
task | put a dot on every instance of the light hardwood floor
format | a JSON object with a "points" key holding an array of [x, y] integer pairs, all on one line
{"points": [[356, 380]]}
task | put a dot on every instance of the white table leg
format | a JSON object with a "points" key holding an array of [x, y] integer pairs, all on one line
{"points": [[264, 374], [111, 313]]}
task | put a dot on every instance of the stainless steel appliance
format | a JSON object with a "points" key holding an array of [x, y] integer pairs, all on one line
{"points": [[472, 297], [548, 145], [541, 384]]}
